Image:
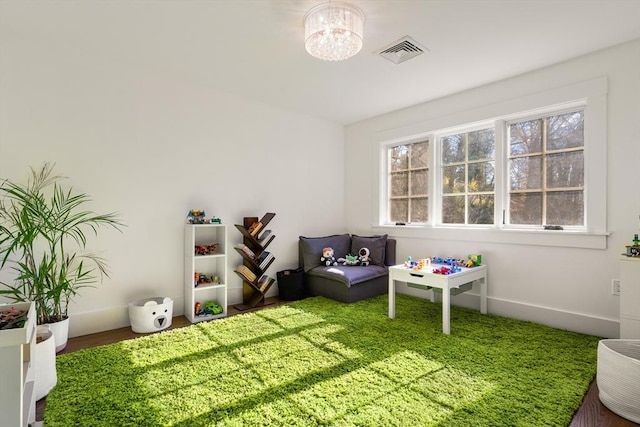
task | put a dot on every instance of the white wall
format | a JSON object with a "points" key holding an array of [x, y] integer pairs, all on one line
{"points": [[151, 147], [564, 287]]}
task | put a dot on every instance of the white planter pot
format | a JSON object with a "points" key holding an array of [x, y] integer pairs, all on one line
{"points": [[46, 375], [60, 333]]}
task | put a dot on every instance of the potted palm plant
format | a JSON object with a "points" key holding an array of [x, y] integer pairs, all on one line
{"points": [[43, 237]]}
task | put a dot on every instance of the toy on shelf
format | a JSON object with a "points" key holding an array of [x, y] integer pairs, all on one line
{"points": [[196, 216], [205, 279], [633, 249], [205, 250]]}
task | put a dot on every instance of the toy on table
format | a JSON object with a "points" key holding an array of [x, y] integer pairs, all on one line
{"points": [[423, 264], [447, 270], [327, 257], [473, 260], [409, 263]]}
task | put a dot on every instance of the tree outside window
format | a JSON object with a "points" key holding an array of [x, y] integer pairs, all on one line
{"points": [[408, 182], [468, 177], [546, 170]]}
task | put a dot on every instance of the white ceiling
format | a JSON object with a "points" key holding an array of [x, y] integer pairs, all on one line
{"points": [[254, 48]]}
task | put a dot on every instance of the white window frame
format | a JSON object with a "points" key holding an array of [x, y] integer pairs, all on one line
{"points": [[591, 94], [437, 176], [573, 107]]}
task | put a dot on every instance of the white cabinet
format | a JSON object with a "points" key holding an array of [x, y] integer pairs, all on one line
{"points": [[17, 370], [205, 269], [630, 297]]}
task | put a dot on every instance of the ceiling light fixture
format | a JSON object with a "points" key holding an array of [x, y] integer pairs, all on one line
{"points": [[333, 31]]}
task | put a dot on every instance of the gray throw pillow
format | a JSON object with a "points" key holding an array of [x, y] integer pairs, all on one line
{"points": [[375, 244], [312, 248]]}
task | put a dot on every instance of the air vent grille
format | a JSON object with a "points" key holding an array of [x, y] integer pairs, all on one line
{"points": [[402, 50]]}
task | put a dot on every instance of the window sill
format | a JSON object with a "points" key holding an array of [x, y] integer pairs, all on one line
{"points": [[566, 239]]}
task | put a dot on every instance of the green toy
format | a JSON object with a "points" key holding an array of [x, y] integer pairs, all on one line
{"points": [[213, 307]]}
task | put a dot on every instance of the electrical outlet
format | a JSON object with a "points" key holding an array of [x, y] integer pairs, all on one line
{"points": [[615, 286]]}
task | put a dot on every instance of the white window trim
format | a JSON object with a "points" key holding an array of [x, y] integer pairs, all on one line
{"points": [[592, 94]]}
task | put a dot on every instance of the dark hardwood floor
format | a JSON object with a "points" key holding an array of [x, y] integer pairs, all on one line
{"points": [[592, 413]]}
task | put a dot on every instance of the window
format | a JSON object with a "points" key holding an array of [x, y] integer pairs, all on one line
{"points": [[542, 166], [546, 170], [506, 171], [468, 177], [408, 166]]}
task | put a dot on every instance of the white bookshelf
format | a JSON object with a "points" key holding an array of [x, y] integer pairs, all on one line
{"points": [[212, 265]]}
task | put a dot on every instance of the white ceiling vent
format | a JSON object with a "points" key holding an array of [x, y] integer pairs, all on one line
{"points": [[402, 50]]}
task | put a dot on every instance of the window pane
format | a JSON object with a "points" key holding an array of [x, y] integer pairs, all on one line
{"points": [[419, 155], [525, 137], [565, 169], [453, 210], [419, 210], [481, 209], [526, 173], [453, 149], [398, 210], [399, 158], [453, 179], [419, 182], [526, 208], [482, 144], [565, 131], [565, 208], [481, 177], [399, 184]]}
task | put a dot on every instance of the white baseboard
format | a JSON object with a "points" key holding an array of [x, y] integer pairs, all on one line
{"points": [[560, 319], [118, 317]]}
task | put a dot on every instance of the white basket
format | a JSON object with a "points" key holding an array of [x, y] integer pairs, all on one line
{"points": [[151, 314], [619, 376]]}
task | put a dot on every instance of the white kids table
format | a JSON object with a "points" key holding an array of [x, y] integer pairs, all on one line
{"points": [[427, 279]]}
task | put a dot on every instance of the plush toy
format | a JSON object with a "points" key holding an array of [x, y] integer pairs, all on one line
{"points": [[363, 256], [327, 257], [349, 260]]}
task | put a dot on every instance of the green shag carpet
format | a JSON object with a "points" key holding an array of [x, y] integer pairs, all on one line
{"points": [[318, 362]]}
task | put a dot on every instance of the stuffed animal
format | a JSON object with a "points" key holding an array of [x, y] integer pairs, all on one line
{"points": [[349, 260], [327, 259], [363, 256]]}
